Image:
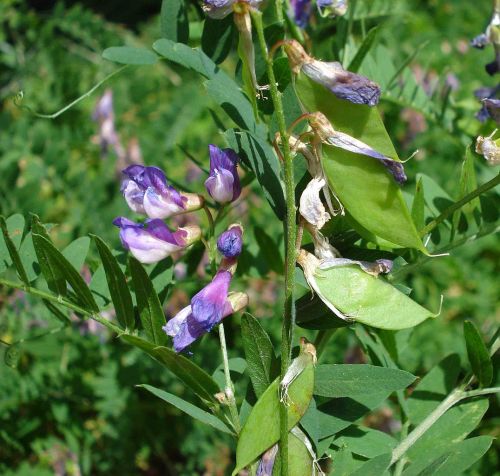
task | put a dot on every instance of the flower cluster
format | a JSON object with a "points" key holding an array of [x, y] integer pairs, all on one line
{"points": [[147, 192]]}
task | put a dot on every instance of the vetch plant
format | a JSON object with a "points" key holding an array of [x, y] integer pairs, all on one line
{"points": [[316, 150]]}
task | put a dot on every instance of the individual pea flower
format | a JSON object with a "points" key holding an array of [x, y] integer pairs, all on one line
{"points": [[344, 84], [327, 134], [152, 241], [146, 191], [266, 463], [311, 207], [301, 11], [223, 184], [491, 35], [490, 103], [219, 9], [230, 242], [332, 8], [489, 148], [104, 115]]}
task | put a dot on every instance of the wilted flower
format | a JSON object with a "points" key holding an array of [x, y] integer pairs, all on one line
{"points": [[311, 207], [223, 184], [329, 135], [185, 329], [146, 191], [152, 241], [266, 463], [488, 148], [230, 242], [344, 84]]}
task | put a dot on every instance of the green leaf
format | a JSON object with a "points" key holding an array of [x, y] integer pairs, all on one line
{"points": [[458, 458], [117, 285], [77, 251], [259, 353], [418, 205], [174, 24], [378, 8], [468, 182], [374, 467], [217, 38], [269, 249], [191, 374], [478, 354], [129, 55], [352, 380], [28, 258], [12, 249], [148, 304], [343, 462], [364, 49], [452, 427], [369, 299], [364, 441], [363, 185], [188, 408], [433, 388], [57, 271], [300, 462], [265, 414], [15, 226]]}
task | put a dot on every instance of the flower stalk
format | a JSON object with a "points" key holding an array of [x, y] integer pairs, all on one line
{"points": [[290, 228]]}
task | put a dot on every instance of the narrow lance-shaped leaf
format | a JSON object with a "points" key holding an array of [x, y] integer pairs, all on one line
{"points": [[148, 304], [14, 254], [117, 284], [418, 206], [364, 49], [129, 55], [478, 354], [174, 24], [59, 270], [259, 353], [77, 251], [188, 408]]}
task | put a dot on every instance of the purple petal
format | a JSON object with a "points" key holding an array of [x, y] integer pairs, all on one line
{"points": [[480, 41], [159, 230], [146, 177], [222, 158], [230, 242], [162, 205], [301, 11], [122, 222], [223, 184], [208, 304], [220, 186]]}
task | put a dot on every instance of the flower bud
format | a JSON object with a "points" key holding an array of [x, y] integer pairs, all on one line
{"points": [[344, 84], [311, 207], [152, 241], [223, 184], [230, 242]]}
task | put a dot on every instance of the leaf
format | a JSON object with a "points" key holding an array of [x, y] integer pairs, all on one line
{"points": [[374, 467], [117, 285], [188, 408], [265, 414], [418, 206], [433, 388], [468, 182], [129, 55], [57, 271], [478, 354], [148, 304], [217, 38], [452, 427], [191, 374], [269, 249], [363, 185], [77, 251], [300, 462], [378, 8], [15, 226], [458, 458], [28, 258], [174, 24], [364, 49], [259, 353], [12, 250], [352, 380], [364, 441], [261, 159], [343, 462], [369, 299]]}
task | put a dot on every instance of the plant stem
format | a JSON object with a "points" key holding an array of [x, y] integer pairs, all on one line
{"points": [[453, 398], [290, 229], [457, 205], [229, 390]]}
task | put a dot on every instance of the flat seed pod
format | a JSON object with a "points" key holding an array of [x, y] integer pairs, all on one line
{"points": [[363, 184]]}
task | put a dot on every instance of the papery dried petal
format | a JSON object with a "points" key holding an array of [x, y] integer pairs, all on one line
{"points": [[311, 207]]}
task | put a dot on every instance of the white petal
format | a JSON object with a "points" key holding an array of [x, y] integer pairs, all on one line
{"points": [[311, 207]]}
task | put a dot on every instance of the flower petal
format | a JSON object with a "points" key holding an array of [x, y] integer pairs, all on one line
{"points": [[311, 207]]}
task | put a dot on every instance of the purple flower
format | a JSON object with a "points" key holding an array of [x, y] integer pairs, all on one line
{"points": [[490, 103], [185, 329], [219, 9], [152, 241], [332, 7], [266, 463], [301, 11], [230, 242], [146, 191], [223, 184], [103, 114]]}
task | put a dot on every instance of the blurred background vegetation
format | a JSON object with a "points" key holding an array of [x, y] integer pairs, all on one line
{"points": [[69, 405]]}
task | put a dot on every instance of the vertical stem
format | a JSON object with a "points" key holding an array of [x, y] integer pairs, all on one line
{"points": [[229, 390], [290, 230], [279, 10]]}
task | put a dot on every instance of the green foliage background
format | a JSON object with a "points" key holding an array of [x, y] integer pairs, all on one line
{"points": [[71, 399]]}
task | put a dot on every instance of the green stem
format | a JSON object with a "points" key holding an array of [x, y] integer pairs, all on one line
{"points": [[279, 10], [457, 205], [229, 390], [290, 229], [452, 399]]}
